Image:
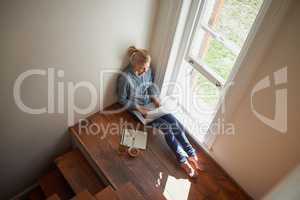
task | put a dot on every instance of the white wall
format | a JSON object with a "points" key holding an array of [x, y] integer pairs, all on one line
{"points": [[163, 36], [258, 156], [80, 37]]}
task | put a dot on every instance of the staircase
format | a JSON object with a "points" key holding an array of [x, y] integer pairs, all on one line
{"points": [[73, 178]]}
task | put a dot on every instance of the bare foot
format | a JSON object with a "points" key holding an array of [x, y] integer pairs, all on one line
{"points": [[195, 164], [189, 169]]}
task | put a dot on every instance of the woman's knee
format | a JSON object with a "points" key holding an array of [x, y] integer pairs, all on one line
{"points": [[169, 137], [169, 116], [170, 119]]}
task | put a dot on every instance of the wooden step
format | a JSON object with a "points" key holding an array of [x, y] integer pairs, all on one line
{"points": [[84, 195], [54, 183], [78, 173], [107, 194], [129, 192], [53, 197], [36, 194]]}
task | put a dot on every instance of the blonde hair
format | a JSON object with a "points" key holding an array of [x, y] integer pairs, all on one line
{"points": [[138, 56]]}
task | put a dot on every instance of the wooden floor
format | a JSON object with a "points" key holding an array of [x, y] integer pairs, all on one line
{"points": [[155, 173]]}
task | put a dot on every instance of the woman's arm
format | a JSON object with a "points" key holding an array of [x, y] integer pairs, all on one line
{"points": [[154, 91], [143, 110], [156, 101], [123, 93], [124, 96]]}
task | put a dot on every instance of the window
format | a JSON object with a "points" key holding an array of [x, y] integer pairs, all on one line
{"points": [[220, 32], [217, 37]]}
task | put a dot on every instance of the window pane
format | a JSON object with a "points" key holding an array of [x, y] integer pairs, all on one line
{"points": [[206, 94], [222, 32], [198, 95], [231, 18], [213, 53]]}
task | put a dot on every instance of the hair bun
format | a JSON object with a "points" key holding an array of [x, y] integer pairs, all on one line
{"points": [[131, 50]]}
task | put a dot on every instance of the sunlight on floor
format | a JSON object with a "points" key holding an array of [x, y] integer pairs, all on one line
{"points": [[177, 189]]}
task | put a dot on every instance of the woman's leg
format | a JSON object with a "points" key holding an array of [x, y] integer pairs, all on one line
{"points": [[170, 138], [176, 147], [179, 133], [172, 119]]}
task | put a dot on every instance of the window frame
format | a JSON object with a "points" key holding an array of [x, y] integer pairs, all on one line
{"points": [[198, 64]]}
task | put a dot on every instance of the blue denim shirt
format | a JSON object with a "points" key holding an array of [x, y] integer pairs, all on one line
{"points": [[135, 90]]}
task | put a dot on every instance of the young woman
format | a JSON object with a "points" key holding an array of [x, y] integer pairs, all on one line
{"points": [[136, 90]]}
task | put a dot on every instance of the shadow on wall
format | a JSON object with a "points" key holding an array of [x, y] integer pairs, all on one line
{"points": [[108, 78]]}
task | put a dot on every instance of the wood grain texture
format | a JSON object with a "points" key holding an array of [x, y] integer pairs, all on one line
{"points": [[83, 195], [155, 173], [129, 192], [53, 197], [78, 173], [107, 193], [54, 183]]}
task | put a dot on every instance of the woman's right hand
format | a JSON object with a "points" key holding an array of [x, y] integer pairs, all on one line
{"points": [[143, 110]]}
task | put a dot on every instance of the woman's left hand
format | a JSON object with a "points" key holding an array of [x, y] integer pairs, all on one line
{"points": [[156, 102]]}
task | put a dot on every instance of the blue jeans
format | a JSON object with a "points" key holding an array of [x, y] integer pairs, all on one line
{"points": [[175, 136]]}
